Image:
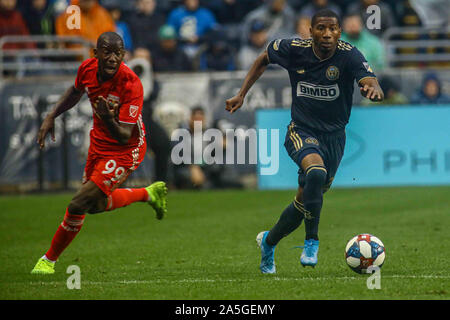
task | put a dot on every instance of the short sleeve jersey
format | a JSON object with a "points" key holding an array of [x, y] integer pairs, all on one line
{"points": [[124, 88], [322, 90]]}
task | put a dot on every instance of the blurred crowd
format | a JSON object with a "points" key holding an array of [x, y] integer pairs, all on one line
{"points": [[225, 35], [217, 35]]}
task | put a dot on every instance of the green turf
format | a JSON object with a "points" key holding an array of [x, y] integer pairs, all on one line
{"points": [[205, 248]]}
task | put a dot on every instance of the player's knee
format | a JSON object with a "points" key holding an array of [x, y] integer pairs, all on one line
{"points": [[316, 178], [98, 206], [80, 204], [76, 207]]}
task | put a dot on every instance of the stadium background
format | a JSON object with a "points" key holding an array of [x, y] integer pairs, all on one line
{"points": [[215, 44], [204, 248]]}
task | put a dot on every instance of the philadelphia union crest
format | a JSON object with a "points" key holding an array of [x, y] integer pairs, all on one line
{"points": [[332, 73]]}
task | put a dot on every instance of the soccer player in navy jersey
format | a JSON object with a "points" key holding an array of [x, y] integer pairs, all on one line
{"points": [[322, 71]]}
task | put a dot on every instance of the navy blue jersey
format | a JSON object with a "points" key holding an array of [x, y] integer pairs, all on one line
{"points": [[322, 90]]}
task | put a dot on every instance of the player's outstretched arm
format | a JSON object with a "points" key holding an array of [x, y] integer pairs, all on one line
{"points": [[257, 69], [371, 89], [107, 111], [67, 101]]}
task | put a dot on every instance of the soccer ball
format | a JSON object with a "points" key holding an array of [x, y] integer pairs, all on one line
{"points": [[363, 251]]}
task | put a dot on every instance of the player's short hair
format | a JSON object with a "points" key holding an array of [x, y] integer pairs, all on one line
{"points": [[110, 37], [325, 13]]}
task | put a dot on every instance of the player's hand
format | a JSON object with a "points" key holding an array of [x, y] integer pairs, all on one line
{"points": [[105, 110], [372, 93], [47, 126], [234, 103]]}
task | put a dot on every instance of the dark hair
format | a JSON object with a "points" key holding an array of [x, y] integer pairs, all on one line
{"points": [[325, 13], [109, 36]]}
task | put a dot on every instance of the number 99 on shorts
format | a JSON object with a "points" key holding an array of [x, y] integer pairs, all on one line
{"points": [[111, 167]]}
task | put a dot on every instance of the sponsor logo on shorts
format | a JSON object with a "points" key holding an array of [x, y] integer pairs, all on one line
{"points": [[326, 93]]}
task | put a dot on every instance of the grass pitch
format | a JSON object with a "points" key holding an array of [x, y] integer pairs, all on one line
{"points": [[205, 247]]}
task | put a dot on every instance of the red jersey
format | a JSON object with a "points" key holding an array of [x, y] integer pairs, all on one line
{"points": [[125, 88]]}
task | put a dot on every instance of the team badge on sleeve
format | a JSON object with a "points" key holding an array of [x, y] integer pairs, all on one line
{"points": [[133, 111]]}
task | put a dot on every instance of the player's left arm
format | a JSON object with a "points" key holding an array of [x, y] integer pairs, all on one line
{"points": [[361, 71], [370, 89], [107, 112]]}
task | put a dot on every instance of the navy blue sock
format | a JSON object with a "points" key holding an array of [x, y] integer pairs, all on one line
{"points": [[290, 219], [313, 198]]}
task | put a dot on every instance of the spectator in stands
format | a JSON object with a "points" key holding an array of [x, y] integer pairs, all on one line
{"points": [[310, 9], [12, 23], [204, 176], [121, 27], [302, 27], [252, 49], [166, 57], [218, 56], [433, 14], [369, 45], [392, 94], [125, 6], [297, 5], [95, 20], [231, 11], [188, 176], [386, 15], [141, 53], [430, 91], [39, 17], [192, 23], [405, 14], [277, 15], [144, 24]]}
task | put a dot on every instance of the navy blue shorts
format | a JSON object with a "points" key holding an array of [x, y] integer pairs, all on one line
{"points": [[300, 142]]}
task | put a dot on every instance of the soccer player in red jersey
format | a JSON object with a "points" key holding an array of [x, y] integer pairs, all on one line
{"points": [[117, 143]]}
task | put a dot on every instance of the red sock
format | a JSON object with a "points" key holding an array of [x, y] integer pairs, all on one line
{"points": [[67, 230], [123, 197]]}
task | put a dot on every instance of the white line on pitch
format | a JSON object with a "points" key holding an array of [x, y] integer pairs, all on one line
{"points": [[237, 280]]}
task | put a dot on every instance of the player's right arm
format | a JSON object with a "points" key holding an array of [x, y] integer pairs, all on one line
{"points": [[278, 52], [67, 101], [257, 69]]}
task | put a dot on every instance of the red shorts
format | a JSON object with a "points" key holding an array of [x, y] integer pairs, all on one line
{"points": [[108, 172]]}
